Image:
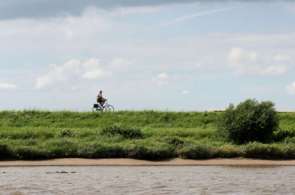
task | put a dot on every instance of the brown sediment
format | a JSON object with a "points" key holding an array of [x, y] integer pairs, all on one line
{"points": [[134, 162]]}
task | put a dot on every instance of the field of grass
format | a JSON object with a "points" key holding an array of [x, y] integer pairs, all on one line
{"points": [[143, 135]]}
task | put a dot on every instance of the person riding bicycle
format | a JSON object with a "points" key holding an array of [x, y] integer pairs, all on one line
{"points": [[100, 99]]}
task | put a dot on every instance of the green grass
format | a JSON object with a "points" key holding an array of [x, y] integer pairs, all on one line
{"points": [[143, 135]]}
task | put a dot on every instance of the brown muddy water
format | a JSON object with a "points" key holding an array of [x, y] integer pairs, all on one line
{"points": [[147, 180]]}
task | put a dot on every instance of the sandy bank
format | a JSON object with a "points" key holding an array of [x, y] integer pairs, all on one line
{"points": [[133, 162]]}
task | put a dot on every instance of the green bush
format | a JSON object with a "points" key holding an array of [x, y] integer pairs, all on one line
{"points": [[269, 151], [4, 151], [228, 151], [282, 135], [197, 152], [152, 152], [264, 151], [128, 133], [289, 140], [61, 148], [289, 151], [102, 150], [29, 153], [249, 121], [174, 141]]}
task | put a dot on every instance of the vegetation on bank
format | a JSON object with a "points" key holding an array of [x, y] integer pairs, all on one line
{"points": [[143, 135], [249, 121]]}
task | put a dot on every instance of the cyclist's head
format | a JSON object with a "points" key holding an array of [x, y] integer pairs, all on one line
{"points": [[100, 91]]}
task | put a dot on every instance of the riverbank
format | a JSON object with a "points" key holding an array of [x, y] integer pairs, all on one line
{"points": [[144, 135], [134, 162]]}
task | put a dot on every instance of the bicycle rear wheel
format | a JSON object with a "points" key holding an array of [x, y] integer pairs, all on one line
{"points": [[96, 108]]}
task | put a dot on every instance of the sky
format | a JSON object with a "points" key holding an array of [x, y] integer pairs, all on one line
{"points": [[175, 55]]}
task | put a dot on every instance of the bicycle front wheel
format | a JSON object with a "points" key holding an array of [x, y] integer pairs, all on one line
{"points": [[109, 108]]}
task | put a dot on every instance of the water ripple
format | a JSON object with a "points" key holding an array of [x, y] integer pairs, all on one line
{"points": [[147, 180]]}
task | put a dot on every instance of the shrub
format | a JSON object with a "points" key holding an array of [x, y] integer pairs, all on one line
{"points": [[152, 152], [228, 151], [249, 121], [197, 152], [4, 151], [282, 135], [289, 140], [102, 150], [129, 133], [264, 151], [174, 140], [61, 148], [289, 151], [30, 153]]}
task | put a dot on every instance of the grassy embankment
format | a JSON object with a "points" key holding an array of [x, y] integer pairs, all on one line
{"points": [[143, 135]]}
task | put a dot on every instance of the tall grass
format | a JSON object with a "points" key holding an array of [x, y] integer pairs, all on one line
{"points": [[92, 120]]}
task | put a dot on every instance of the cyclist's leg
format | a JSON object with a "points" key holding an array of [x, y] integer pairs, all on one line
{"points": [[101, 105], [103, 102]]}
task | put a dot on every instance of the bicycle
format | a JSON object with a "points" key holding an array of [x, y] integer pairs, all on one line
{"points": [[105, 108]]}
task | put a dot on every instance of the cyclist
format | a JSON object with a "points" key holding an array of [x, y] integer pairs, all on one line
{"points": [[100, 99]]}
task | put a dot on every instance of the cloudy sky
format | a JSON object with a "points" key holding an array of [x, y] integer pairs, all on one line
{"points": [[146, 54]]}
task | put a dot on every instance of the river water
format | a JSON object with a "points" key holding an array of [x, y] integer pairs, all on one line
{"points": [[147, 180]]}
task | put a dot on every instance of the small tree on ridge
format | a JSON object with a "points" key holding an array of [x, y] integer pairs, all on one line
{"points": [[250, 121]]}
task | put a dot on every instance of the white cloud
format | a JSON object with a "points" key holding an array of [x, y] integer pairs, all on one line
{"points": [[123, 11], [121, 64], [257, 38], [250, 62], [58, 73], [94, 74], [185, 92], [162, 79], [239, 56], [92, 69], [163, 76], [273, 70], [282, 57], [291, 88], [7, 86], [290, 6], [66, 32], [72, 70]]}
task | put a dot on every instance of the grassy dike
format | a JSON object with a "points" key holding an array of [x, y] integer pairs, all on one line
{"points": [[142, 135]]}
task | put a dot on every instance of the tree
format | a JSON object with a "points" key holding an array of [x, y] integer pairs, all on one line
{"points": [[249, 121]]}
